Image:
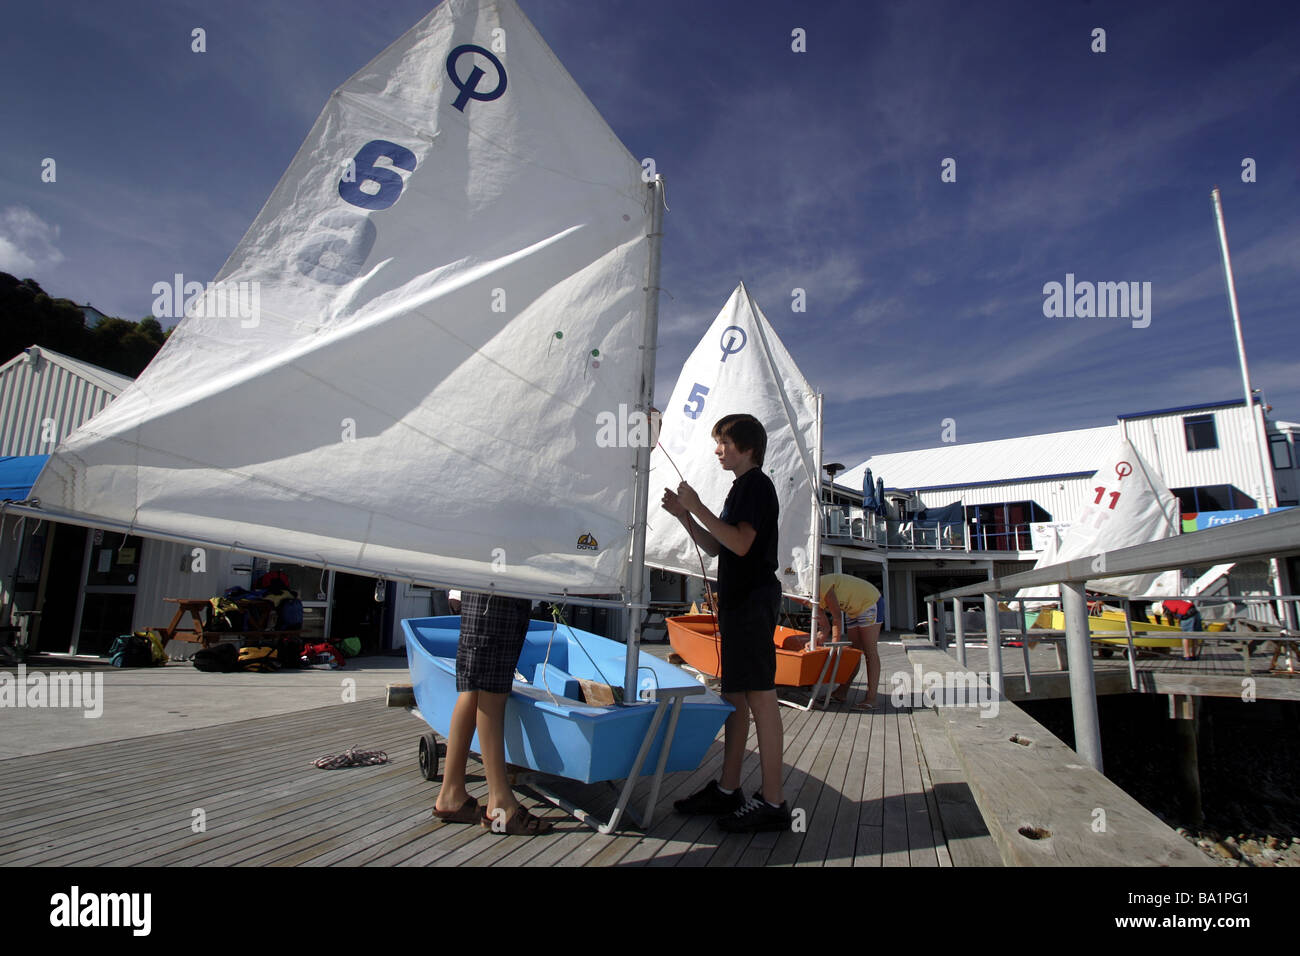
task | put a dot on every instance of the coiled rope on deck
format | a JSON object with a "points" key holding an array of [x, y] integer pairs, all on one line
{"points": [[352, 757]]}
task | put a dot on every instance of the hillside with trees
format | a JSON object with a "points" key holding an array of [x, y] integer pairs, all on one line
{"points": [[29, 316]]}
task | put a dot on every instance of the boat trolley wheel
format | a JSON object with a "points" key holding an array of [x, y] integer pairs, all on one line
{"points": [[429, 756]]}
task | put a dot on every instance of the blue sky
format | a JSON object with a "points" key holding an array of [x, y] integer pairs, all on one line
{"points": [[818, 170]]}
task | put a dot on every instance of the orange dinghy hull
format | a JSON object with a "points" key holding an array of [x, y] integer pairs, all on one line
{"points": [[693, 637]]}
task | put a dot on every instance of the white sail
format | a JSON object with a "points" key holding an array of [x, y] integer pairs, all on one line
{"points": [[740, 365], [449, 298], [1129, 505]]}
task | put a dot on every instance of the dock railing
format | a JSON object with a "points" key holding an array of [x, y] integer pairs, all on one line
{"points": [[1268, 536]]}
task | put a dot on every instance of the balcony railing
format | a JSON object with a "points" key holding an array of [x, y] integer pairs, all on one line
{"points": [[849, 524]]}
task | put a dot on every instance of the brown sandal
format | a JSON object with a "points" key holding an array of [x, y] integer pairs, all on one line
{"points": [[522, 823], [467, 812]]}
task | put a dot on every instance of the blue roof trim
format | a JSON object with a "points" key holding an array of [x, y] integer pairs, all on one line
{"points": [[18, 474], [996, 481], [1185, 408]]}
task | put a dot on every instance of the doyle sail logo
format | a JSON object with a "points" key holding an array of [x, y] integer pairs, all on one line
{"points": [[587, 543], [75, 909], [469, 86]]}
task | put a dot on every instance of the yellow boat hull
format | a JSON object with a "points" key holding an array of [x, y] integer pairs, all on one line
{"points": [[1109, 621]]}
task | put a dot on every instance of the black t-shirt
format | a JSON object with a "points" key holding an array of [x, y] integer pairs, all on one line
{"points": [[752, 499]]}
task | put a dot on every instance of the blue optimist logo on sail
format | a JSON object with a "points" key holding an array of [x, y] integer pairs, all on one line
{"points": [[1102, 300], [469, 85]]}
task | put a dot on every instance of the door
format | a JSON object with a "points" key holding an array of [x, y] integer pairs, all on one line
{"points": [[110, 573]]}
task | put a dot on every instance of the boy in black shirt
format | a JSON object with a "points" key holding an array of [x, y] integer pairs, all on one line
{"points": [[749, 595]]}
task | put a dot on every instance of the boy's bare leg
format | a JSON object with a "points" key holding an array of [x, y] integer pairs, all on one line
{"points": [[452, 795], [771, 741], [492, 740], [735, 733]]}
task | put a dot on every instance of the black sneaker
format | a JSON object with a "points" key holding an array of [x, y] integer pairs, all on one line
{"points": [[710, 800], [757, 816]]}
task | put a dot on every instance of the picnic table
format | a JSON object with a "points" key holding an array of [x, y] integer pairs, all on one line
{"points": [[257, 613]]}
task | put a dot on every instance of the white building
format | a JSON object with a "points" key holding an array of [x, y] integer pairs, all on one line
{"points": [[1003, 494], [89, 585]]}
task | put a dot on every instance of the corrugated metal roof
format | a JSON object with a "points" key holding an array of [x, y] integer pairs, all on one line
{"points": [[99, 377], [1008, 459], [45, 396], [1226, 403]]}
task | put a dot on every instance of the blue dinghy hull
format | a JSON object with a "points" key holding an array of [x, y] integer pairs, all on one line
{"points": [[547, 728]]}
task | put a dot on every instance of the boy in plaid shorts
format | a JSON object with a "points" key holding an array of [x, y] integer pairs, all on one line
{"points": [[492, 631]]}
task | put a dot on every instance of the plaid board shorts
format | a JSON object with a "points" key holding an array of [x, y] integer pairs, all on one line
{"points": [[492, 631]]}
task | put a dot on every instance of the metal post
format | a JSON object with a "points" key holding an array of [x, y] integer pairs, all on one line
{"points": [[940, 626], [1132, 651], [641, 498], [1024, 640], [994, 631], [959, 626], [1083, 690], [814, 635]]}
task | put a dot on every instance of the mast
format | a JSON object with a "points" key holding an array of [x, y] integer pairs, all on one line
{"points": [[641, 497], [1260, 438], [1241, 353], [816, 529]]}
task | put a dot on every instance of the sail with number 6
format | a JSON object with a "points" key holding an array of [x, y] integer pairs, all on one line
{"points": [[451, 287]]}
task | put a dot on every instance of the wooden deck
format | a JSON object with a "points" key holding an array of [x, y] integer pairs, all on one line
{"points": [[860, 784]]}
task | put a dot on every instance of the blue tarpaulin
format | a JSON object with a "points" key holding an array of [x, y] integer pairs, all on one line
{"points": [[18, 474]]}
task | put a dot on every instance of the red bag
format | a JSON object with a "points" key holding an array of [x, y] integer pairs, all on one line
{"points": [[327, 652], [271, 578]]}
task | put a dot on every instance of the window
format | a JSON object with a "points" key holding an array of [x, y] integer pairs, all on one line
{"points": [[1200, 433], [1281, 449], [1213, 498], [1004, 526]]}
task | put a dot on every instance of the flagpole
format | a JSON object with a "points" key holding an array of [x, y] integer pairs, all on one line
{"points": [[1241, 352], [1256, 419]]}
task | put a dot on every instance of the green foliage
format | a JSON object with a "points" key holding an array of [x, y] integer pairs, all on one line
{"points": [[29, 316]]}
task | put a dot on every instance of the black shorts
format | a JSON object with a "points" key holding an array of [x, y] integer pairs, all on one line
{"points": [[492, 632], [748, 648]]}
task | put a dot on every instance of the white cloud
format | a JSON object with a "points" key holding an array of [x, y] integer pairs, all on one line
{"points": [[27, 242]]}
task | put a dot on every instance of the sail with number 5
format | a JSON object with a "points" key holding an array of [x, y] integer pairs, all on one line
{"points": [[440, 299], [740, 366]]}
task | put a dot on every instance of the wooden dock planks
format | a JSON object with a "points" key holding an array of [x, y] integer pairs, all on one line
{"points": [[856, 778]]}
